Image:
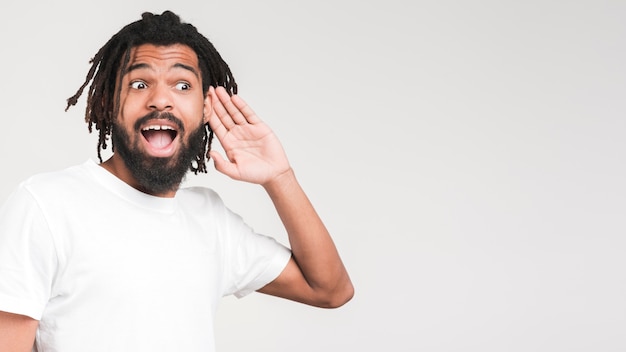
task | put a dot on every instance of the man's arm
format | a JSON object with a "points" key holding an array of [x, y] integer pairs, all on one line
{"points": [[315, 275], [17, 332]]}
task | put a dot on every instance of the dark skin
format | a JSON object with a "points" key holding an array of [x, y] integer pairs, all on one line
{"points": [[167, 80]]}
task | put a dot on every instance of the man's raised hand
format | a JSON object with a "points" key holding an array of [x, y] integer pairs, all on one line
{"points": [[253, 153]]}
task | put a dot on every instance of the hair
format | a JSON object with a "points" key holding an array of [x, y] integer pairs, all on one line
{"points": [[109, 65]]}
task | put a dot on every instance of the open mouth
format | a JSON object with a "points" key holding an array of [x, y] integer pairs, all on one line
{"points": [[159, 136]]}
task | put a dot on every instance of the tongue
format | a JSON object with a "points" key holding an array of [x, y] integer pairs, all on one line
{"points": [[158, 139]]}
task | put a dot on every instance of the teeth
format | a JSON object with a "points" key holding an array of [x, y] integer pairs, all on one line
{"points": [[157, 128]]}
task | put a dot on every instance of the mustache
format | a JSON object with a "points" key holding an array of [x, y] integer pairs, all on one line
{"points": [[156, 115]]}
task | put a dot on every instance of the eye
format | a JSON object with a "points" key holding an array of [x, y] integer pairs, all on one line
{"points": [[183, 86], [138, 85]]}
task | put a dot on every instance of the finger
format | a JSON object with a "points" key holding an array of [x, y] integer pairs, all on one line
{"points": [[217, 126], [245, 109], [220, 110], [239, 111], [222, 165], [214, 121]]}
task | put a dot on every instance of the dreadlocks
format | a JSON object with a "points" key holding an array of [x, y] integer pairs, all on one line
{"points": [[110, 63]]}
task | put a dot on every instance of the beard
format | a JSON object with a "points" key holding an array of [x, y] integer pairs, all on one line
{"points": [[157, 175]]}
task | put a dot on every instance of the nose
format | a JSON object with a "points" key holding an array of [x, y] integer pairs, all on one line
{"points": [[160, 98]]}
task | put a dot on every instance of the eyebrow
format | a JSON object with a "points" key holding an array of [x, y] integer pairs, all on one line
{"points": [[179, 65]]}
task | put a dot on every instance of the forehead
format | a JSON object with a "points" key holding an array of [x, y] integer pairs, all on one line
{"points": [[169, 55]]}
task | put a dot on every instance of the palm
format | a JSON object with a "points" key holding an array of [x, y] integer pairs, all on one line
{"points": [[253, 151]]}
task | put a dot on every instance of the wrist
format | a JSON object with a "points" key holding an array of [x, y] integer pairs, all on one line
{"points": [[281, 182]]}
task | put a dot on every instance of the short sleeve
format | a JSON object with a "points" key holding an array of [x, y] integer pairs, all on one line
{"points": [[27, 256], [254, 259]]}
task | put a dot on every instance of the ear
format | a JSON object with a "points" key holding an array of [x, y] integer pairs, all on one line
{"points": [[208, 104]]}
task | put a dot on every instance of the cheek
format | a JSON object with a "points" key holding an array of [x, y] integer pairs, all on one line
{"points": [[194, 112], [129, 110]]}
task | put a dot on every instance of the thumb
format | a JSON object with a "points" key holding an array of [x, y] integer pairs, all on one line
{"points": [[222, 165]]}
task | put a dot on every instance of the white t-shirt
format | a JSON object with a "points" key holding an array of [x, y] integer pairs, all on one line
{"points": [[105, 267]]}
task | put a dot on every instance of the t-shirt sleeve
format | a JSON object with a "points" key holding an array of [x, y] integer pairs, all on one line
{"points": [[27, 256], [253, 260]]}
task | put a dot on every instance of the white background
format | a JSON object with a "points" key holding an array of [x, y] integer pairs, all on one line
{"points": [[468, 157]]}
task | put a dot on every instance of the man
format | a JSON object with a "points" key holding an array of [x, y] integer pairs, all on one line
{"points": [[114, 256]]}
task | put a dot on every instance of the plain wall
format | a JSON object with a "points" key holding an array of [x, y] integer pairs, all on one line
{"points": [[468, 157]]}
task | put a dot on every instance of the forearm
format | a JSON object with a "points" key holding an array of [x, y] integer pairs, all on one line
{"points": [[312, 246]]}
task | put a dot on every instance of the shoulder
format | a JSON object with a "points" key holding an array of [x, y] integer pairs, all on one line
{"points": [[51, 187], [66, 175], [52, 182]]}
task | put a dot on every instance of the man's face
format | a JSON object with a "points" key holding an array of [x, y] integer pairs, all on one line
{"points": [[160, 125]]}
